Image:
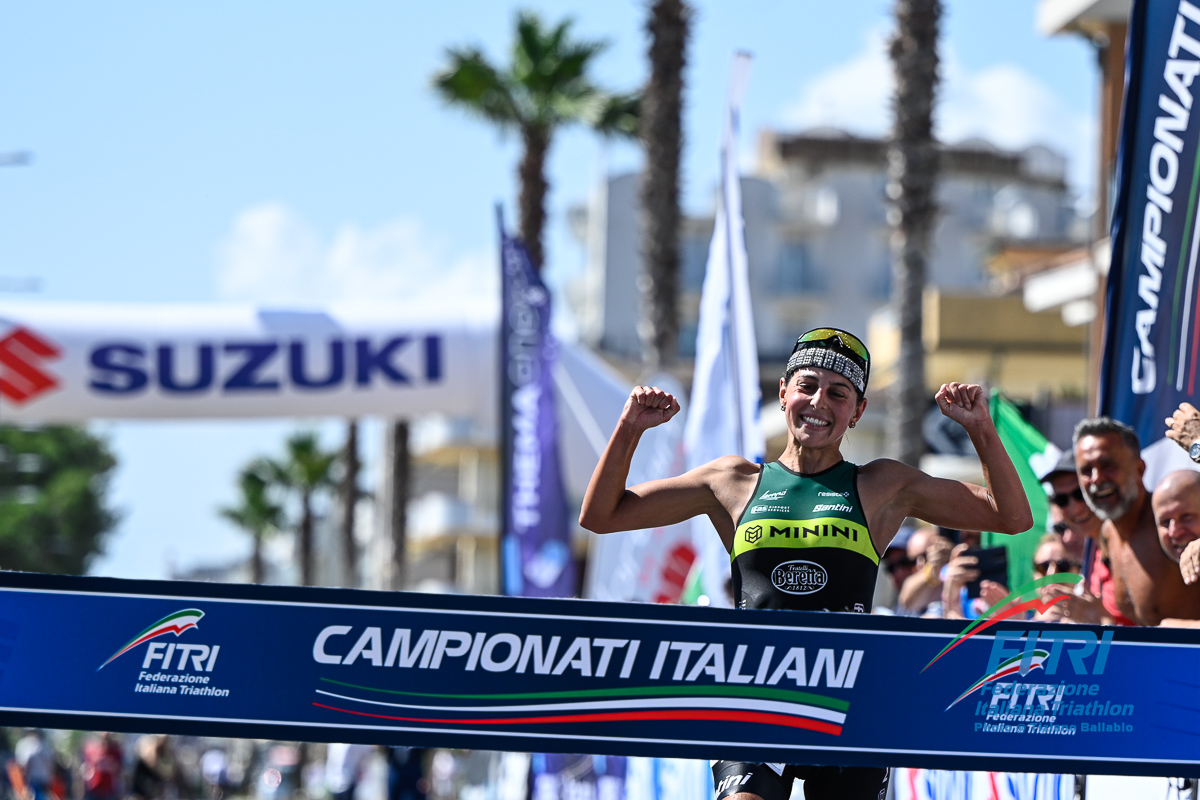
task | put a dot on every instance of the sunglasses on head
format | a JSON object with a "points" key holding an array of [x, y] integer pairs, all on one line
{"points": [[1061, 500], [1060, 565], [848, 340]]}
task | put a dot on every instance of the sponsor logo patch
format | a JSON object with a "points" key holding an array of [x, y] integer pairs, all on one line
{"points": [[754, 534], [799, 577], [773, 495]]}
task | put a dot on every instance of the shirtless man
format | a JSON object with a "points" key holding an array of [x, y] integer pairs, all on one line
{"points": [[1183, 427], [1148, 585], [1177, 512]]}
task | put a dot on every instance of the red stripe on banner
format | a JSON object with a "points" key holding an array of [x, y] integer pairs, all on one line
{"points": [[627, 716], [1035, 605]]}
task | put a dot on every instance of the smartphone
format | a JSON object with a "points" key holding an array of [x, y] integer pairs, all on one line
{"points": [[993, 566]]}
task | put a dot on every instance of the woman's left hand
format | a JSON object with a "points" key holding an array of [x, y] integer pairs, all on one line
{"points": [[963, 402]]}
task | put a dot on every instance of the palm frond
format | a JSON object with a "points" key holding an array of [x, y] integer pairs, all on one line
{"points": [[617, 115], [470, 82]]}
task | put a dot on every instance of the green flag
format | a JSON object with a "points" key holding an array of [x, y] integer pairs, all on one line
{"points": [[1033, 455]]}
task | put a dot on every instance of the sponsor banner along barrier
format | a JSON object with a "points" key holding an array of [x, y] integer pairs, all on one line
{"points": [[525, 674]]}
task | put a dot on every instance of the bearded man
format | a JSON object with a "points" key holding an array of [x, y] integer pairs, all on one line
{"points": [[1147, 583]]}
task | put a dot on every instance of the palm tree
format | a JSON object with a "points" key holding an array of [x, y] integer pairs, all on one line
{"points": [[545, 87], [662, 137], [349, 493], [256, 513], [306, 470], [912, 177]]}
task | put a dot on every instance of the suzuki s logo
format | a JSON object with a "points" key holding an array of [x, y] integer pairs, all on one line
{"points": [[21, 377]]}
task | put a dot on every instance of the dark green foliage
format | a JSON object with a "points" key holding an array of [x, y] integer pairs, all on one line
{"points": [[53, 515], [545, 86]]}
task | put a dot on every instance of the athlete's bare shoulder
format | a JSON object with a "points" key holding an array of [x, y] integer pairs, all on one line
{"points": [[884, 477], [882, 485], [732, 479], [735, 466]]}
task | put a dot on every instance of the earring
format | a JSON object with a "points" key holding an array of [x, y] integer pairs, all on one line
{"points": [[782, 407], [851, 424]]}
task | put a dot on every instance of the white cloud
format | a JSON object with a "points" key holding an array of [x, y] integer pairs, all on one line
{"points": [[1001, 103], [853, 95], [271, 255]]}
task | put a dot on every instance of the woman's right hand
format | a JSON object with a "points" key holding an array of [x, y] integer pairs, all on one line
{"points": [[648, 407]]}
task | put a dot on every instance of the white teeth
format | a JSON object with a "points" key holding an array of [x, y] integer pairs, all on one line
{"points": [[820, 423]]}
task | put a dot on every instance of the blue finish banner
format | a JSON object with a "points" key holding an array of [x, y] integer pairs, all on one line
{"points": [[563, 676], [535, 556], [1151, 358]]}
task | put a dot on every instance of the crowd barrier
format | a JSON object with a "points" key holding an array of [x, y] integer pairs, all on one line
{"points": [[562, 676]]}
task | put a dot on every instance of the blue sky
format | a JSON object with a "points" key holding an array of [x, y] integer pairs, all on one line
{"points": [[292, 152]]}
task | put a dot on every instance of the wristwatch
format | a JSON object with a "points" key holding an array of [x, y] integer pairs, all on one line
{"points": [[1194, 451]]}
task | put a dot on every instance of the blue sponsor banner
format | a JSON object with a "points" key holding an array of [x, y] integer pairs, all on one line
{"points": [[617, 679], [1151, 356], [535, 556]]}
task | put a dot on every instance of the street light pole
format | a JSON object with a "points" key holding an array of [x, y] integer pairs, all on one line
{"points": [[17, 158]]}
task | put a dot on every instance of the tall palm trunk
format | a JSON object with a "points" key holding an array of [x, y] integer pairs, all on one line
{"points": [[306, 539], [662, 136], [256, 559], [912, 176], [398, 493], [349, 492], [534, 187]]}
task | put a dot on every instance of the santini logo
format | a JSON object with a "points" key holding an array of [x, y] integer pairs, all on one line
{"points": [[175, 623]]}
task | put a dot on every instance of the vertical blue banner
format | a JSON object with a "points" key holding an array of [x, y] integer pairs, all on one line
{"points": [[535, 553], [1152, 340]]}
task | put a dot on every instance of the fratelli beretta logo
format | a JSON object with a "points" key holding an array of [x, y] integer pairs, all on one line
{"points": [[1040, 681], [170, 667]]}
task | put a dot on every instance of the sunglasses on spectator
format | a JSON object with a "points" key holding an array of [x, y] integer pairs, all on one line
{"points": [[1059, 527], [1060, 565], [902, 562], [1061, 500]]}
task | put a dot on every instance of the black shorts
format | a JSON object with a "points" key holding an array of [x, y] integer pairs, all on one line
{"points": [[774, 781]]}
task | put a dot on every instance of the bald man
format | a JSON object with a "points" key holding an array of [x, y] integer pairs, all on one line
{"points": [[1176, 505], [1177, 515]]}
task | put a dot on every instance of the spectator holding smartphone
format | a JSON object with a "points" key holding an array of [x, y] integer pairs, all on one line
{"points": [[1082, 534]]}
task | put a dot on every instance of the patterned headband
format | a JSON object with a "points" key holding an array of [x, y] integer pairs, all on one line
{"points": [[830, 360]]}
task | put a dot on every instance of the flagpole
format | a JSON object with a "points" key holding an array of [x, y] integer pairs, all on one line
{"points": [[505, 404]]}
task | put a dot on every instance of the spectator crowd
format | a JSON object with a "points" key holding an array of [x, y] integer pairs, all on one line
{"points": [[74, 765], [1137, 551]]}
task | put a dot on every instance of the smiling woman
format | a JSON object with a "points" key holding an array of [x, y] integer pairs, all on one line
{"points": [[806, 532]]}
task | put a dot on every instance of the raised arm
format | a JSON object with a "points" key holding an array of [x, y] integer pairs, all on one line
{"points": [[1001, 506], [608, 506]]}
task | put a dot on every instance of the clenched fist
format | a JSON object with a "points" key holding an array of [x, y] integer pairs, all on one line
{"points": [[963, 402], [647, 407]]}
